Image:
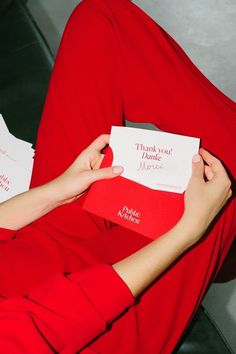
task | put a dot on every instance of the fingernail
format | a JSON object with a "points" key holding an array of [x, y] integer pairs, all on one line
{"points": [[196, 158], [117, 169]]}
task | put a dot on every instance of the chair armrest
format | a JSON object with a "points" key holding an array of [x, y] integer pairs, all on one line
{"points": [[25, 67], [203, 337]]}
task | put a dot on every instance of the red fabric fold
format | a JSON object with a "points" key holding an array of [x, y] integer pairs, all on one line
{"points": [[6, 234], [104, 283], [66, 311]]}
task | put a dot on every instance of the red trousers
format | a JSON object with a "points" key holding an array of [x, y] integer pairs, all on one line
{"points": [[114, 63]]}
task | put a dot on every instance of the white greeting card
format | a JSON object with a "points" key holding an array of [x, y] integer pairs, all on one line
{"points": [[16, 163], [14, 178], [3, 125], [155, 159]]}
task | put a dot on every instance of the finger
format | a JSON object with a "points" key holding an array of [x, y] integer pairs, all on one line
{"points": [[230, 194], [208, 172], [212, 161], [104, 173], [217, 167], [100, 142], [98, 162], [197, 166]]}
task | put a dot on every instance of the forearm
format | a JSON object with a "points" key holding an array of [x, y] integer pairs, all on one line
{"points": [[141, 268], [26, 207]]}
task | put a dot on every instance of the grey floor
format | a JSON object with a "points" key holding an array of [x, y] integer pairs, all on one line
{"points": [[206, 29]]}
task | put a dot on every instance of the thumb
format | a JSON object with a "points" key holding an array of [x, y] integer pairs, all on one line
{"points": [[197, 166], [105, 173]]}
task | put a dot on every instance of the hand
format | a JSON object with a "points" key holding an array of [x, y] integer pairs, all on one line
{"points": [[70, 185], [208, 191]]}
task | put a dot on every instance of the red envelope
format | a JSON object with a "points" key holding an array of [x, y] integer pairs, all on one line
{"points": [[139, 208]]}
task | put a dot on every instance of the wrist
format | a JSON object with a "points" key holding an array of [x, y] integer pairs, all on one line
{"points": [[51, 194], [187, 231]]}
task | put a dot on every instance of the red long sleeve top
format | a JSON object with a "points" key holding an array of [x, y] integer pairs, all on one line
{"points": [[64, 313]]}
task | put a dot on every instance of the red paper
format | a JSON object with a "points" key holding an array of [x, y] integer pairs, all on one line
{"points": [[132, 205]]}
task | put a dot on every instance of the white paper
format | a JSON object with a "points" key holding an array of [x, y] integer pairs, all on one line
{"points": [[155, 159], [3, 125], [16, 163], [14, 178]]}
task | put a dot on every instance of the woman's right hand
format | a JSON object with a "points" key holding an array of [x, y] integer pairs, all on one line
{"points": [[208, 190]]}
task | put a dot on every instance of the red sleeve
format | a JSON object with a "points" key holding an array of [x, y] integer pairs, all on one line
{"points": [[6, 234], [65, 313]]}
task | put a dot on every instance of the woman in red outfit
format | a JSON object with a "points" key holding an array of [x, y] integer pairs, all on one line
{"points": [[66, 274]]}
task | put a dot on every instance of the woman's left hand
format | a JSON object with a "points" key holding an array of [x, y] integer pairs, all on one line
{"points": [[71, 184]]}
